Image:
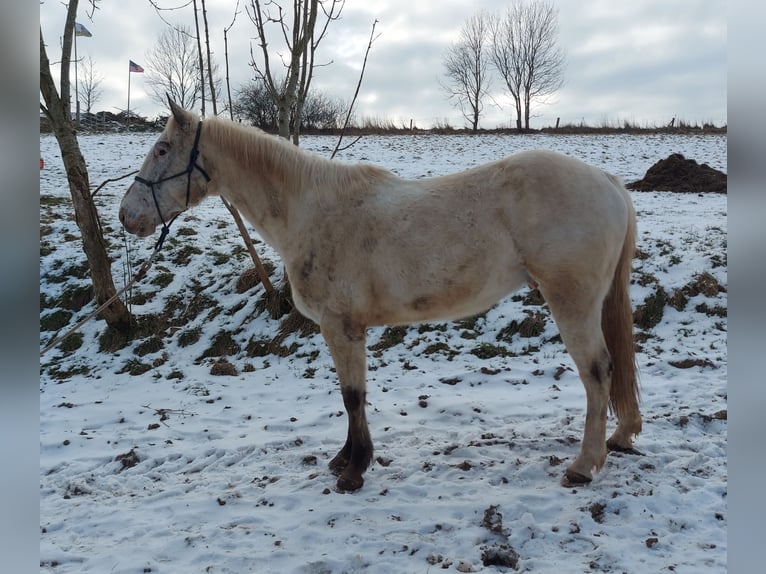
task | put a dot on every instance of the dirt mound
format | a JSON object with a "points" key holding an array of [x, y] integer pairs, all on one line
{"points": [[676, 173]]}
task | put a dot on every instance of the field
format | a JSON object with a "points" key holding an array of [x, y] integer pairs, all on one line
{"points": [[198, 446]]}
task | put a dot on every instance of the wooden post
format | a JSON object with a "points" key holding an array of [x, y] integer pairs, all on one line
{"points": [[557, 122]]}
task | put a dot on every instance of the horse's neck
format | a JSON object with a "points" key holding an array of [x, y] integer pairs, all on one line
{"points": [[262, 177]]}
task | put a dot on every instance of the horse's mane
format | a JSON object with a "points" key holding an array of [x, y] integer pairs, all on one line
{"points": [[285, 164]]}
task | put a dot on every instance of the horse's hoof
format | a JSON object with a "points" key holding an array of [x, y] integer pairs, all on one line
{"points": [[338, 464], [614, 447], [349, 483], [572, 478]]}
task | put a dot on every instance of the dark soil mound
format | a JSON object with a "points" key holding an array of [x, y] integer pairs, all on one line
{"points": [[676, 173]]}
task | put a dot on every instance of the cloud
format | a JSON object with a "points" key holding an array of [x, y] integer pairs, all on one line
{"points": [[643, 61]]}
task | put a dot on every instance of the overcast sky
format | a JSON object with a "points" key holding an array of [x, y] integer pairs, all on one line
{"points": [[644, 62]]}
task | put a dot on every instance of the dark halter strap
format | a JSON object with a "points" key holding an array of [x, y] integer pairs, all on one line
{"points": [[190, 167]]}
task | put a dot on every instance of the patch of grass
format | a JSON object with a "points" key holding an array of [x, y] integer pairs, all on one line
{"points": [[717, 311], [641, 255], [223, 367], [189, 336], [223, 344], [441, 348], [391, 337], [138, 298], [65, 374], [46, 249], [112, 340], [532, 298], [718, 260], [703, 283], [76, 271], [162, 279], [428, 327], [185, 253], [221, 258], [55, 321], [150, 345], [645, 279], [71, 343], [469, 323], [257, 347], [689, 363], [247, 280], [678, 300], [649, 314], [134, 367], [490, 351], [186, 308], [532, 325]]}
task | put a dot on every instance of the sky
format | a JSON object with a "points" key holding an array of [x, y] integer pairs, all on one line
{"points": [[643, 62]]}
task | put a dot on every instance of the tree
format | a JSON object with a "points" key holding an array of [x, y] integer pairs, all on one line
{"points": [[320, 111], [90, 85], [525, 52], [467, 68], [302, 38], [254, 105], [173, 67], [57, 109]]}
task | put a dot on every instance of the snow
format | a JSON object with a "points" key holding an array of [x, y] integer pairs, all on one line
{"points": [[228, 474]]}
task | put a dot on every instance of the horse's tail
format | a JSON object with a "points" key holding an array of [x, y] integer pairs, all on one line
{"points": [[617, 327]]}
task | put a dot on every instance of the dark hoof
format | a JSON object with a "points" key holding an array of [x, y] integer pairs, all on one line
{"points": [[614, 447], [338, 464], [572, 478], [349, 483]]}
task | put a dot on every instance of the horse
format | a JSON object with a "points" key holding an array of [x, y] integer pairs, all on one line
{"points": [[363, 247]]}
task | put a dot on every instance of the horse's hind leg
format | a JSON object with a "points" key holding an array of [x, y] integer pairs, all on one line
{"points": [[579, 324], [347, 347]]}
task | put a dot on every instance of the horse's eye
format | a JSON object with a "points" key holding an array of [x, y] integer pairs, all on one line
{"points": [[160, 149]]}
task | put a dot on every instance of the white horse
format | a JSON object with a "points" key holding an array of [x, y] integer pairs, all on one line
{"points": [[364, 247]]}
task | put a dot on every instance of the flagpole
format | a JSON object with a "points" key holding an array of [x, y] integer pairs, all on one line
{"points": [[76, 83], [128, 97]]}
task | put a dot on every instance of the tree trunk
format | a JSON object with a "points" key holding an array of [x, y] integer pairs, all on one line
{"points": [[116, 314]]}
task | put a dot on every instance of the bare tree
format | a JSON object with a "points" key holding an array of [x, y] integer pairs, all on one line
{"points": [[467, 68], [90, 84], [57, 109], [173, 67], [525, 52], [301, 37], [545, 60]]}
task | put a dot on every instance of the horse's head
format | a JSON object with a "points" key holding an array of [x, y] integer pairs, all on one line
{"points": [[171, 178]]}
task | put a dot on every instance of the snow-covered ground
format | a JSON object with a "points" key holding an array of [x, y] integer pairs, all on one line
{"points": [[150, 462]]}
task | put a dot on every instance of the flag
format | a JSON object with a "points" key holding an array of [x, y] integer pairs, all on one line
{"points": [[135, 67], [80, 30]]}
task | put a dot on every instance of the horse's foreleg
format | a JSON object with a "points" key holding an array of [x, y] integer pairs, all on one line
{"points": [[347, 347]]}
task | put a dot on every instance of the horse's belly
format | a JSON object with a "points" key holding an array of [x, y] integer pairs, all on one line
{"points": [[462, 297]]}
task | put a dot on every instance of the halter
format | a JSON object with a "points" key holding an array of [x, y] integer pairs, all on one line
{"points": [[191, 166]]}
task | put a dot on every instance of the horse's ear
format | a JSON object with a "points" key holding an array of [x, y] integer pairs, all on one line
{"points": [[181, 115]]}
